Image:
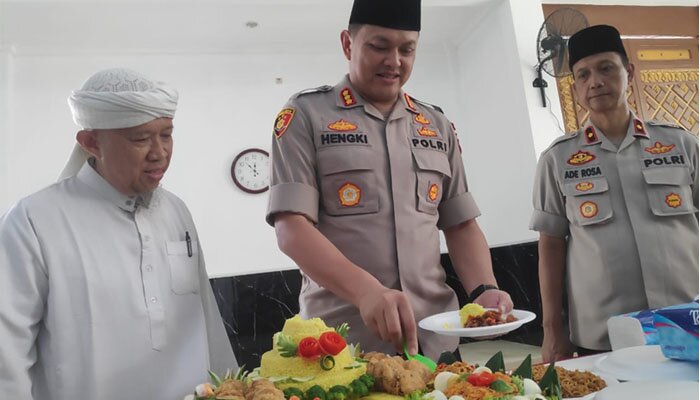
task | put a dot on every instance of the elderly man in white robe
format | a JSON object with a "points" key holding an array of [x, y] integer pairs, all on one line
{"points": [[103, 290]]}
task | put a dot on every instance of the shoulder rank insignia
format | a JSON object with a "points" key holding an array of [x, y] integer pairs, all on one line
{"points": [[673, 200], [580, 158], [349, 195], [659, 148], [591, 136], [422, 119], [665, 124], [424, 131], [588, 209], [347, 97], [342, 125], [284, 118], [639, 128], [324, 88]]}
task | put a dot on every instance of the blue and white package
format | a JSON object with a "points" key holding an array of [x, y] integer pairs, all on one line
{"points": [[677, 331], [646, 319]]}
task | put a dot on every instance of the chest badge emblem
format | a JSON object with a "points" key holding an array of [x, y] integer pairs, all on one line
{"points": [[673, 200], [347, 97], [659, 148], [580, 158], [284, 118], [424, 131], [422, 119], [349, 195], [589, 209], [342, 125], [584, 186], [433, 192]]}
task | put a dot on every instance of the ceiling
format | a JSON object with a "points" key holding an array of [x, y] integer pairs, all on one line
{"points": [[219, 26], [204, 26]]}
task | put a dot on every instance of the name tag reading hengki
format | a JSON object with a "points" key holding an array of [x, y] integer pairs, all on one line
{"points": [[343, 138]]}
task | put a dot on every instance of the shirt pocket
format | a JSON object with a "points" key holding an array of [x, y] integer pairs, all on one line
{"points": [[588, 201], [348, 180], [184, 270], [669, 191], [432, 168]]}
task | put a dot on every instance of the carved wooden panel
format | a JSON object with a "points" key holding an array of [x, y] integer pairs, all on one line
{"points": [[671, 95]]}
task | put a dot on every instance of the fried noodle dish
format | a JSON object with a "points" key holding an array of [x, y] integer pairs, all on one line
{"points": [[573, 383]]}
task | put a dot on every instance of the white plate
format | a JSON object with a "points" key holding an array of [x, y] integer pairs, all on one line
{"points": [[650, 390], [643, 363], [448, 323]]}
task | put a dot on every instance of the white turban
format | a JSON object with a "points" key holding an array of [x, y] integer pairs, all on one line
{"points": [[113, 99]]}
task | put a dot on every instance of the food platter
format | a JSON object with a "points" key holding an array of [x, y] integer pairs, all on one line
{"points": [[609, 381], [642, 363], [448, 323]]}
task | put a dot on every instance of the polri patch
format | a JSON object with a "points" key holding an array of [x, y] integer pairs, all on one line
{"points": [[342, 125], [673, 200], [588, 209], [284, 118], [433, 192], [349, 195], [659, 148], [580, 158]]}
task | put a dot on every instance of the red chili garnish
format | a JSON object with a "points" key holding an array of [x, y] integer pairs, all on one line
{"points": [[331, 343], [308, 347], [481, 378]]}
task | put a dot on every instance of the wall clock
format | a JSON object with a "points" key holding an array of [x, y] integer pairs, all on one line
{"points": [[250, 171]]}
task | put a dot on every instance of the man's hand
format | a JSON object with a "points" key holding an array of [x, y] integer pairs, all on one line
{"points": [[497, 299], [556, 345], [388, 314]]}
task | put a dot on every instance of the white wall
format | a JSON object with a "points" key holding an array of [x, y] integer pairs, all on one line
{"points": [[502, 117], [228, 103]]}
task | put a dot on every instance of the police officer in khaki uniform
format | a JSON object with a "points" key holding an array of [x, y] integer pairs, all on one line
{"points": [[616, 206], [363, 176]]}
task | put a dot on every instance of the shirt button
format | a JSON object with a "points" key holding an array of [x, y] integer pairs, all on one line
{"points": [[146, 238], [149, 268], [128, 202], [154, 300]]}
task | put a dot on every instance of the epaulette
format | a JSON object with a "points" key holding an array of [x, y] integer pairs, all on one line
{"points": [[433, 106], [563, 138], [664, 124], [320, 89]]}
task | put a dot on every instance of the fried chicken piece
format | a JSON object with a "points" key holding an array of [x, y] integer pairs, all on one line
{"points": [[375, 355], [395, 376], [263, 389], [231, 388], [417, 367]]}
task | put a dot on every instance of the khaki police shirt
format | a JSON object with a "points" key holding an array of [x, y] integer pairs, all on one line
{"points": [[630, 215], [379, 189]]}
